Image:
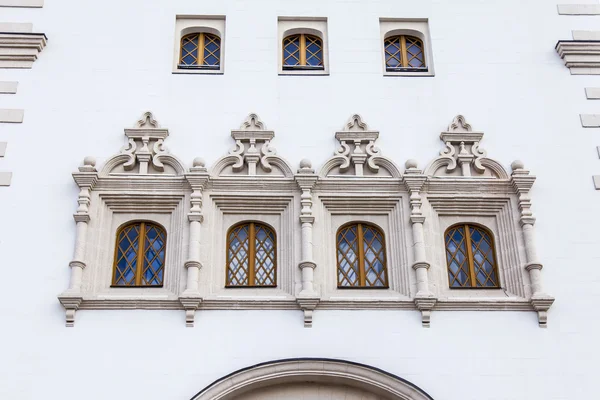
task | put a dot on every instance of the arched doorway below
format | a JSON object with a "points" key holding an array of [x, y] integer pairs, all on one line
{"points": [[311, 379]]}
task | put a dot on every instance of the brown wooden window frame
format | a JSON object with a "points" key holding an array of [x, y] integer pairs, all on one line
{"points": [[302, 52], [362, 281], [202, 37], [470, 258], [251, 255], [403, 52], [140, 254]]}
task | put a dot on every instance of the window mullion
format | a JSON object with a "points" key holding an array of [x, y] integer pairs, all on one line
{"points": [[403, 52], [251, 253], [200, 58], [361, 256], [140, 256], [302, 49], [470, 257]]}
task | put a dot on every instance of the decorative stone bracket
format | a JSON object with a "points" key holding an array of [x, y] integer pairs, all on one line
{"points": [[252, 146], [145, 145]]}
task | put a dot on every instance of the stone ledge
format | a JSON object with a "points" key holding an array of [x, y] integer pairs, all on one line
{"points": [[20, 50], [22, 3], [592, 93], [582, 57], [578, 9], [8, 87], [11, 116], [590, 120], [5, 178]]}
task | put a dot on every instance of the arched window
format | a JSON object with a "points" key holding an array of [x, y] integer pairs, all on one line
{"points": [[251, 256], [471, 257], [361, 257], [302, 52], [404, 52], [140, 255], [200, 50]]}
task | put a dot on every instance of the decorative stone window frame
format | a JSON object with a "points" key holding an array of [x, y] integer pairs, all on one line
{"points": [[186, 24], [417, 27], [359, 184], [142, 182], [315, 26], [253, 183]]}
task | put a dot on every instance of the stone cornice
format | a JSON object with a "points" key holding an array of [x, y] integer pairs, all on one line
{"points": [[20, 50], [582, 57]]}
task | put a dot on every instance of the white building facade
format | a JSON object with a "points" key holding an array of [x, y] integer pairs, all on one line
{"points": [[299, 200]]}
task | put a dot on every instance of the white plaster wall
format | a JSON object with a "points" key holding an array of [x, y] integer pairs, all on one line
{"points": [[107, 62]]}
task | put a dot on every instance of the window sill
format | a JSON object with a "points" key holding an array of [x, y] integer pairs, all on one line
{"points": [[303, 71], [193, 71], [409, 72]]}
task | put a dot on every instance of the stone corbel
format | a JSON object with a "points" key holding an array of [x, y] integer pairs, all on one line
{"points": [[71, 304], [308, 297], [522, 182], [191, 298], [424, 299], [252, 146]]}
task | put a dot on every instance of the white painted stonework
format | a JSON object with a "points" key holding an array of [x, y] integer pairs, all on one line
{"points": [[304, 154]]}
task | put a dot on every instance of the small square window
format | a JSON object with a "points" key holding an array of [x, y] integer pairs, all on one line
{"points": [[303, 46], [406, 45], [199, 44]]}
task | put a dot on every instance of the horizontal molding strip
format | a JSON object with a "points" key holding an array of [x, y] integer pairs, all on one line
{"points": [[11, 116], [590, 120], [22, 3], [8, 87], [578, 9], [592, 93]]}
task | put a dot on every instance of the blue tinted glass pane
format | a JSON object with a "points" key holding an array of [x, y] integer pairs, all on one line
{"points": [[314, 60], [188, 60]]}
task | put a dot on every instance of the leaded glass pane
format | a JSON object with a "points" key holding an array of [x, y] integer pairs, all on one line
{"points": [[154, 256], [414, 52], [314, 51], [393, 50], [237, 256], [264, 256], [212, 50], [483, 257], [189, 50], [456, 256], [347, 256], [127, 252], [291, 50], [374, 253]]}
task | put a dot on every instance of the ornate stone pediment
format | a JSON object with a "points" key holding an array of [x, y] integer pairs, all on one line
{"points": [[144, 153], [253, 154], [463, 156], [358, 150]]}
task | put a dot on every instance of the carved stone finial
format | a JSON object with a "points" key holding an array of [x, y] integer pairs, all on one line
{"points": [[305, 163], [199, 162], [147, 121], [89, 161], [252, 123], [411, 164], [517, 164], [459, 124], [356, 124]]}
